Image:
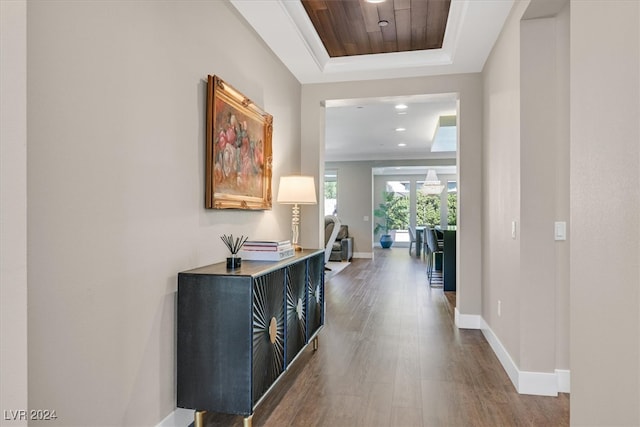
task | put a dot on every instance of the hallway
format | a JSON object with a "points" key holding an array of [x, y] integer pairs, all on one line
{"points": [[390, 355]]}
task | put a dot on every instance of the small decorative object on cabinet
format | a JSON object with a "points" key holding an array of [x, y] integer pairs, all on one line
{"points": [[267, 250], [239, 330], [234, 246]]}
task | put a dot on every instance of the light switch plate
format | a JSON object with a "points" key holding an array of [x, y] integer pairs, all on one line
{"points": [[560, 230], [513, 229]]}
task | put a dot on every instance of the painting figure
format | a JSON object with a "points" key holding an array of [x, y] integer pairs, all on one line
{"points": [[238, 165], [238, 150]]}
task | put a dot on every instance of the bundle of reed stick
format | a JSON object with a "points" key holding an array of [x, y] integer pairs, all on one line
{"points": [[234, 245]]}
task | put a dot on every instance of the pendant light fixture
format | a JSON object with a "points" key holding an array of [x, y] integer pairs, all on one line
{"points": [[432, 184]]}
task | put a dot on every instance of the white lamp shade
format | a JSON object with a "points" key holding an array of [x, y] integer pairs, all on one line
{"points": [[296, 189]]}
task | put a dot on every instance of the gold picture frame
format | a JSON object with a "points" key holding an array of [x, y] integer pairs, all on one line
{"points": [[239, 157]]}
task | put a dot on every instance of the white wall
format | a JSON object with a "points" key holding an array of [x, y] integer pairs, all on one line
{"points": [[13, 211], [605, 224], [116, 138]]}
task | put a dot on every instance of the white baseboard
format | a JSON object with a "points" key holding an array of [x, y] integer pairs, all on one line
{"points": [[538, 383], [363, 254], [564, 380], [525, 382], [502, 354], [468, 321], [178, 418]]}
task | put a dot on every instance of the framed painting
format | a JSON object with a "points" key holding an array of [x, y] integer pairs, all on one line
{"points": [[239, 157]]}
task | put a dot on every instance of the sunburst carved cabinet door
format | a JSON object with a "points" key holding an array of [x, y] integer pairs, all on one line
{"points": [[296, 310], [268, 330], [315, 295]]}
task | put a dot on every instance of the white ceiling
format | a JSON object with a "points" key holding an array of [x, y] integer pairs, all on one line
{"points": [[363, 129]]}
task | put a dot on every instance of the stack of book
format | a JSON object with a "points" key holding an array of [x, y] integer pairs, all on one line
{"points": [[266, 250]]}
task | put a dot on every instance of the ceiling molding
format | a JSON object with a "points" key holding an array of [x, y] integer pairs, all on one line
{"points": [[472, 29]]}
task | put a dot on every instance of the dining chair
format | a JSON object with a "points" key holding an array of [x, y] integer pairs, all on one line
{"points": [[434, 248], [412, 238]]}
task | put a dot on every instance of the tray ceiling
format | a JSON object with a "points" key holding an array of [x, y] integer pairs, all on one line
{"points": [[360, 27], [472, 28]]}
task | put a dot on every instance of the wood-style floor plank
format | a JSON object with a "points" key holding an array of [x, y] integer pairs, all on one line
{"points": [[390, 355]]}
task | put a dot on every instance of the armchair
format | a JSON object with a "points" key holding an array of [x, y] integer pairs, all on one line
{"points": [[342, 244], [331, 228]]}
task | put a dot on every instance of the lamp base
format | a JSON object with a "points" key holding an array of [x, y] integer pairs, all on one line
{"points": [[297, 248]]}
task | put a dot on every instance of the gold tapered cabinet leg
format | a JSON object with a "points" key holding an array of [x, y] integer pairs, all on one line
{"points": [[315, 343], [198, 419], [247, 422]]}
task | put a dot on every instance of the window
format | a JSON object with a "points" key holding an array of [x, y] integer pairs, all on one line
{"points": [[331, 192], [399, 209], [427, 207], [452, 203]]}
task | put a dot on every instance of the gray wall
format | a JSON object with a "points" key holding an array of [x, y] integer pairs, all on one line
{"points": [[116, 139], [544, 197], [108, 233], [551, 127], [354, 203], [605, 226], [13, 208], [526, 180]]}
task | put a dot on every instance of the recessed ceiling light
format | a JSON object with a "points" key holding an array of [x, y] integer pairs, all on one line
{"points": [[383, 23], [375, 1], [400, 129], [401, 107], [402, 144]]}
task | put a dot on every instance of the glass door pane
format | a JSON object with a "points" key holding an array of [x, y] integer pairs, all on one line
{"points": [[452, 204], [427, 207], [331, 192], [399, 210]]}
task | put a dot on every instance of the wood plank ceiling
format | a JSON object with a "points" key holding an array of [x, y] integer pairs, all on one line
{"points": [[351, 27]]}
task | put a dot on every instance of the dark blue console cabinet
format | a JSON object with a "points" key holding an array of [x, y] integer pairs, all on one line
{"points": [[238, 330]]}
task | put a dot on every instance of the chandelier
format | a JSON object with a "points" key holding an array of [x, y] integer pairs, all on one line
{"points": [[432, 184]]}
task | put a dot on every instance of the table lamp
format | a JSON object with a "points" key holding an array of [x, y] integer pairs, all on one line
{"points": [[296, 190]]}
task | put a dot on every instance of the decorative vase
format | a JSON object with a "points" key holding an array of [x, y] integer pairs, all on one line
{"points": [[234, 262], [386, 241]]}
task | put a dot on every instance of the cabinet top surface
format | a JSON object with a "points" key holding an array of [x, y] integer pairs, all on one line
{"points": [[252, 268]]}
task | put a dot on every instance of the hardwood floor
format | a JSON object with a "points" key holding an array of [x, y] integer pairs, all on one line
{"points": [[390, 355]]}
